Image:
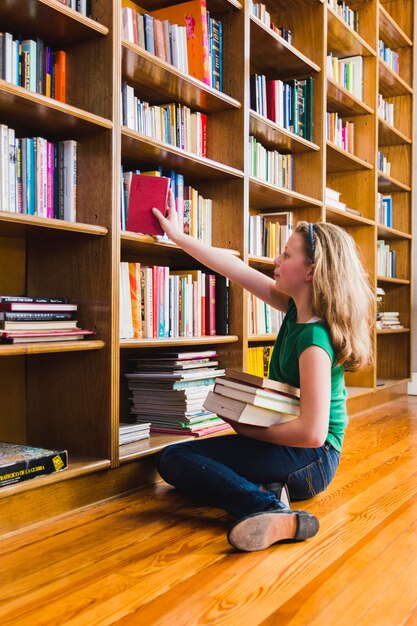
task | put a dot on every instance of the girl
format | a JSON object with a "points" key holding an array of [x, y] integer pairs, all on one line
{"points": [[322, 287]]}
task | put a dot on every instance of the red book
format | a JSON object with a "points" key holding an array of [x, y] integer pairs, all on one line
{"points": [[146, 192]]}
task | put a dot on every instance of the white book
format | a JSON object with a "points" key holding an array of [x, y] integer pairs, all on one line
{"points": [[126, 324], [8, 57], [70, 180]]}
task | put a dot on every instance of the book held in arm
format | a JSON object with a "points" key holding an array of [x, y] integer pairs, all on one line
{"points": [[147, 192], [253, 400]]}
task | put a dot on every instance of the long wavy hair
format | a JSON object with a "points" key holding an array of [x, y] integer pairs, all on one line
{"points": [[342, 295]]}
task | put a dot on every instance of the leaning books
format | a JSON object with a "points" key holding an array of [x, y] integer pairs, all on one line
{"points": [[19, 462]]}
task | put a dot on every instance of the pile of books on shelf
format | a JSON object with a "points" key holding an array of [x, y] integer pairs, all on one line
{"points": [[259, 11], [263, 319], [269, 233], [384, 210], [183, 35], [340, 132], [386, 259], [253, 400], [259, 360], [169, 390], [388, 319], [82, 6], [332, 200], [270, 165], [383, 164], [19, 462], [348, 15], [391, 57], [386, 110], [130, 433], [348, 72], [25, 319]]}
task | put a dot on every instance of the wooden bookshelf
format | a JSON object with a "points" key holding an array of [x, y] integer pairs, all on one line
{"points": [[73, 395]]}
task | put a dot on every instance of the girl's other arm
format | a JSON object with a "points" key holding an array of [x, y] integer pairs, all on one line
{"points": [[222, 261]]}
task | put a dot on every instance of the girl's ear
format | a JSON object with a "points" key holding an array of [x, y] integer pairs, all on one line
{"points": [[310, 273]]}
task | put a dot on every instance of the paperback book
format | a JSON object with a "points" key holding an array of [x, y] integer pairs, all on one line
{"points": [[19, 462]]}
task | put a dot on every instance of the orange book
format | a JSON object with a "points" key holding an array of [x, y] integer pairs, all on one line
{"points": [[60, 72], [135, 299], [192, 15]]}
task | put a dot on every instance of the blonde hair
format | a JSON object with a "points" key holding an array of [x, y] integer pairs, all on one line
{"points": [[342, 295]]}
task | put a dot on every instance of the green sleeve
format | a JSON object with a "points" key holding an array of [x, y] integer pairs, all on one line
{"points": [[315, 335]]}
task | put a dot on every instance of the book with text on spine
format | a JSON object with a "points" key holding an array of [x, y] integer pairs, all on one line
{"points": [[20, 462], [147, 192]]}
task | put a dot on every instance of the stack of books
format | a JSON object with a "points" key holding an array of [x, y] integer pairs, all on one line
{"points": [[332, 200], [253, 400], [130, 433], [24, 319], [388, 320], [169, 390]]}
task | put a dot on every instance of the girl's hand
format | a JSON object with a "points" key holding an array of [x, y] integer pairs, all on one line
{"points": [[169, 224]]}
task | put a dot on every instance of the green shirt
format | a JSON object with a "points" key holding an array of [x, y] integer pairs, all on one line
{"points": [[292, 340]]}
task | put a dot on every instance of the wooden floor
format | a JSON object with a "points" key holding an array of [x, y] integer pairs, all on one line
{"points": [[149, 558]]}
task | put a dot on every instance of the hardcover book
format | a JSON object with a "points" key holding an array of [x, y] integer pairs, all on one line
{"points": [[19, 462], [244, 412], [146, 192]]}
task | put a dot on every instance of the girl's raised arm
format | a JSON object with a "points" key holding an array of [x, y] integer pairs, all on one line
{"points": [[222, 261]]}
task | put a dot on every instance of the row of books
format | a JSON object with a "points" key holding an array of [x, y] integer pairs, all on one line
{"points": [[259, 360], [384, 210], [386, 110], [33, 65], [184, 35], [38, 177], [172, 123], [386, 260], [348, 72], [332, 199], [131, 433], [383, 164], [168, 392], [263, 319], [259, 11], [82, 6], [348, 15], [269, 232], [289, 104], [194, 212], [340, 132], [253, 400], [388, 319], [391, 57], [26, 319], [271, 166], [158, 302]]}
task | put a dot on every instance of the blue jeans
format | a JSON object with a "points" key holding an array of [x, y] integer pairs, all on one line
{"points": [[226, 471]]}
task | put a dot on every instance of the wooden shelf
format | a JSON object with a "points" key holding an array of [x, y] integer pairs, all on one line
{"points": [[391, 331], [50, 20], [49, 347], [391, 233], [282, 61], [214, 6], [339, 160], [262, 338], [263, 195], [144, 447], [342, 40], [77, 466], [390, 136], [140, 148], [387, 183], [179, 341], [275, 137], [161, 82], [16, 224], [390, 83], [344, 218], [49, 117], [390, 33], [394, 281], [262, 263], [341, 100], [135, 243]]}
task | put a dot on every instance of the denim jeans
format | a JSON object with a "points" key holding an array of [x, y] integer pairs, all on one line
{"points": [[226, 471]]}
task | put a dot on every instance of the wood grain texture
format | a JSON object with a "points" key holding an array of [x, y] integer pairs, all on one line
{"points": [[151, 558]]}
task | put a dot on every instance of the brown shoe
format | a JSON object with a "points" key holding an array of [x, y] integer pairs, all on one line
{"points": [[261, 530]]}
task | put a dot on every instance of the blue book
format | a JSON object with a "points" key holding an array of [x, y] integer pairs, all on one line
{"points": [[29, 47], [149, 34]]}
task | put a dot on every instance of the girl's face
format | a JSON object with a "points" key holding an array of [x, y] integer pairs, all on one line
{"points": [[291, 270]]}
